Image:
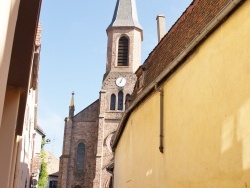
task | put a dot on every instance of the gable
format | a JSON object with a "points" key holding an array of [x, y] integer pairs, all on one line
{"points": [[89, 114]]}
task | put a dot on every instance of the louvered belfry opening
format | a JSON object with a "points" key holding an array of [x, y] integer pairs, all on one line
{"points": [[123, 52]]}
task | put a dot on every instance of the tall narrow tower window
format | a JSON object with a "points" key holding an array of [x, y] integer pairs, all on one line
{"points": [[112, 102], [80, 155], [120, 100], [128, 97], [123, 52]]}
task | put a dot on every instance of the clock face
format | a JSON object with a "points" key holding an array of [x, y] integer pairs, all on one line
{"points": [[120, 82]]}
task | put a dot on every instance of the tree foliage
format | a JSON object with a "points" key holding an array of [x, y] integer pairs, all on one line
{"points": [[43, 176]]}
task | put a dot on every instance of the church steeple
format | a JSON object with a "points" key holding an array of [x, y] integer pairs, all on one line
{"points": [[72, 106], [125, 14], [124, 39]]}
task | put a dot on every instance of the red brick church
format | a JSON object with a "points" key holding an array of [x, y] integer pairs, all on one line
{"points": [[87, 158]]}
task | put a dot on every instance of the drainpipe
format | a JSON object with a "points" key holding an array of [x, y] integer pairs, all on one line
{"points": [[161, 117]]}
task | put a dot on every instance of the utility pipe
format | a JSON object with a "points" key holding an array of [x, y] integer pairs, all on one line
{"points": [[161, 117]]}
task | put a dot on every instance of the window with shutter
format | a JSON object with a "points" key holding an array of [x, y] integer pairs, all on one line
{"points": [[123, 52]]}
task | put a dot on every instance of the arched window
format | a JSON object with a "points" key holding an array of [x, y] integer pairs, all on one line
{"points": [[128, 97], [127, 101], [120, 100], [112, 102], [123, 52], [80, 157]]}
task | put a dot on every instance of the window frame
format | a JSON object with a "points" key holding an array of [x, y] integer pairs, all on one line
{"points": [[123, 60], [112, 102], [77, 169], [120, 103]]}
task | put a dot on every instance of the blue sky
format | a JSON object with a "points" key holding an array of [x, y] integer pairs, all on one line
{"points": [[73, 55]]}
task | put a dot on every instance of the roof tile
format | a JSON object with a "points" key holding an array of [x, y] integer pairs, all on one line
{"points": [[185, 29]]}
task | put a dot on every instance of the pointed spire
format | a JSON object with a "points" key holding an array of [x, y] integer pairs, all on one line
{"points": [[125, 14], [72, 106], [72, 99]]}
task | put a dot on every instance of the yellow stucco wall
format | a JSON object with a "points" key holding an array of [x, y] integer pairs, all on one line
{"points": [[206, 120]]}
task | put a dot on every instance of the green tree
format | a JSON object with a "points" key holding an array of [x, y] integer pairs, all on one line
{"points": [[43, 176]]}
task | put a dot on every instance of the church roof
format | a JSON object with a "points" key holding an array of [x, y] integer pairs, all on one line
{"points": [[88, 114], [125, 14]]}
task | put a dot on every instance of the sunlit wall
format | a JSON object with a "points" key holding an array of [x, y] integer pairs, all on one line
{"points": [[206, 119]]}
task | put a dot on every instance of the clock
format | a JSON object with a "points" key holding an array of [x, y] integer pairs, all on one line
{"points": [[120, 82]]}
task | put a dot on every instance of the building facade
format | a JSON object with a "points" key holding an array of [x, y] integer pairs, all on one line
{"points": [[19, 58], [88, 135], [52, 169], [29, 147], [188, 123], [36, 159]]}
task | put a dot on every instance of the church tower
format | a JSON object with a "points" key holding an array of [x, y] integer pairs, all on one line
{"points": [[88, 135], [123, 59]]}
